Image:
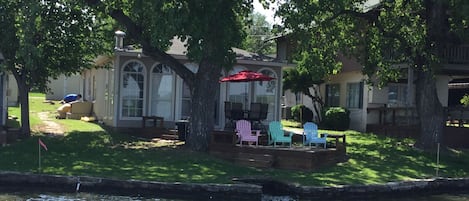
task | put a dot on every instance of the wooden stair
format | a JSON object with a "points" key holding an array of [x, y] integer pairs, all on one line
{"points": [[254, 160]]}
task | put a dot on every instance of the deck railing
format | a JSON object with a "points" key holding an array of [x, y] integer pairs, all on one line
{"points": [[457, 116], [457, 54], [393, 115], [408, 115]]}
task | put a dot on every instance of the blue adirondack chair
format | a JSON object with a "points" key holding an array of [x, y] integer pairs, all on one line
{"points": [[277, 134], [310, 135]]}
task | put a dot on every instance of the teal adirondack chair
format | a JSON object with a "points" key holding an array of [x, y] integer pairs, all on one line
{"points": [[310, 135], [277, 134]]}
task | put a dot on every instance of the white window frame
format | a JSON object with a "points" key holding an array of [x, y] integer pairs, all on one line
{"points": [[121, 89], [151, 77], [271, 109]]}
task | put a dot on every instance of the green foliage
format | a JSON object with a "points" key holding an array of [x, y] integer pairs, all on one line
{"points": [[44, 39], [297, 80], [336, 118], [465, 100], [301, 113], [291, 123], [258, 31], [211, 28]]}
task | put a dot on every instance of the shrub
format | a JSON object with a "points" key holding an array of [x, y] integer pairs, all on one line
{"points": [[336, 118], [306, 113], [465, 100]]}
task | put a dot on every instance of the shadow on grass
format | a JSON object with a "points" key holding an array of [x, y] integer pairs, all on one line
{"points": [[372, 159]]}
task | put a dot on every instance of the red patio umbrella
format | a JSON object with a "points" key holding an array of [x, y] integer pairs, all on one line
{"points": [[246, 76]]}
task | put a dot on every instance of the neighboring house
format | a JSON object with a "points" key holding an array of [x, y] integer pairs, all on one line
{"points": [[64, 85], [137, 85], [371, 107]]}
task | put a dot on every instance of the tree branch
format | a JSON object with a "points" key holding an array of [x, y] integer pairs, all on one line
{"points": [[135, 32]]}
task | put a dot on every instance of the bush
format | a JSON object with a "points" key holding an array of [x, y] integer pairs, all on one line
{"points": [[465, 100], [306, 113], [336, 118]]}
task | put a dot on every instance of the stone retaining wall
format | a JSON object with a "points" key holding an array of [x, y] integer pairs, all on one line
{"points": [[245, 189], [26, 182]]}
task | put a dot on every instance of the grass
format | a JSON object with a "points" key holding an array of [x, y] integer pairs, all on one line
{"points": [[88, 149]]}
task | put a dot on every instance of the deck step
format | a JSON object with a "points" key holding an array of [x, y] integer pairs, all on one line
{"points": [[255, 160]]}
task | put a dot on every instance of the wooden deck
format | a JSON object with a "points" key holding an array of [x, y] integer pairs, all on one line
{"points": [[297, 157]]}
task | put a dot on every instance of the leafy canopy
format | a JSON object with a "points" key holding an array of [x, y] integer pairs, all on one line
{"points": [[43, 39], [380, 36]]}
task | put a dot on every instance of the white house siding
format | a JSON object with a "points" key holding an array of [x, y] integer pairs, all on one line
{"points": [[357, 115], [107, 95], [12, 91], [64, 85]]}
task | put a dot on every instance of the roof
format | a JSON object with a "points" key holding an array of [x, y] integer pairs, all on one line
{"points": [[178, 47]]}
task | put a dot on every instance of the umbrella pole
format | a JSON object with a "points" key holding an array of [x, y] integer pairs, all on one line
{"points": [[246, 97]]}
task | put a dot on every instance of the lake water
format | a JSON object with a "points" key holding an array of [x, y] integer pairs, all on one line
{"points": [[94, 197], [74, 197]]}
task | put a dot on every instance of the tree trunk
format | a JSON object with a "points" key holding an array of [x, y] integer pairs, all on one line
{"points": [[430, 111], [317, 102], [429, 108], [23, 91], [204, 94]]}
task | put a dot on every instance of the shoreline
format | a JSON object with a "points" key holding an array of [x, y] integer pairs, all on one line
{"points": [[243, 189]]}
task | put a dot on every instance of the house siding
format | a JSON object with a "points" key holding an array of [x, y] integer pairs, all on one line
{"points": [[64, 85], [12, 90], [107, 102], [357, 115]]}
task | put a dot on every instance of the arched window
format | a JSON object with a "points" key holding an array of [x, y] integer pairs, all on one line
{"points": [[132, 88], [265, 92], [162, 91]]}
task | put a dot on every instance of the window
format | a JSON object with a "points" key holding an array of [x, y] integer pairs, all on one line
{"points": [[186, 101], [265, 92], [332, 95], [132, 90], [397, 95], [162, 91], [355, 95], [238, 92], [298, 98]]}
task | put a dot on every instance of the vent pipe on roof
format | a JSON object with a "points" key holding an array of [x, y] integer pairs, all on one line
{"points": [[119, 40]]}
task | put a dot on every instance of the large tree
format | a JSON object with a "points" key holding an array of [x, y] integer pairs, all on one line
{"points": [[380, 36], [210, 30], [43, 39]]}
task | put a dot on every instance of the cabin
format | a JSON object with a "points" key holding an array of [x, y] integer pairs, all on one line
{"points": [[134, 87]]}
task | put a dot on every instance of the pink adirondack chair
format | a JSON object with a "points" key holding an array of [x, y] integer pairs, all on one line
{"points": [[245, 134]]}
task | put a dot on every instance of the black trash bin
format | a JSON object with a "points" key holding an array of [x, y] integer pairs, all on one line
{"points": [[183, 128]]}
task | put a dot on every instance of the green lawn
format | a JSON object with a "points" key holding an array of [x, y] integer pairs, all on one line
{"points": [[87, 149]]}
